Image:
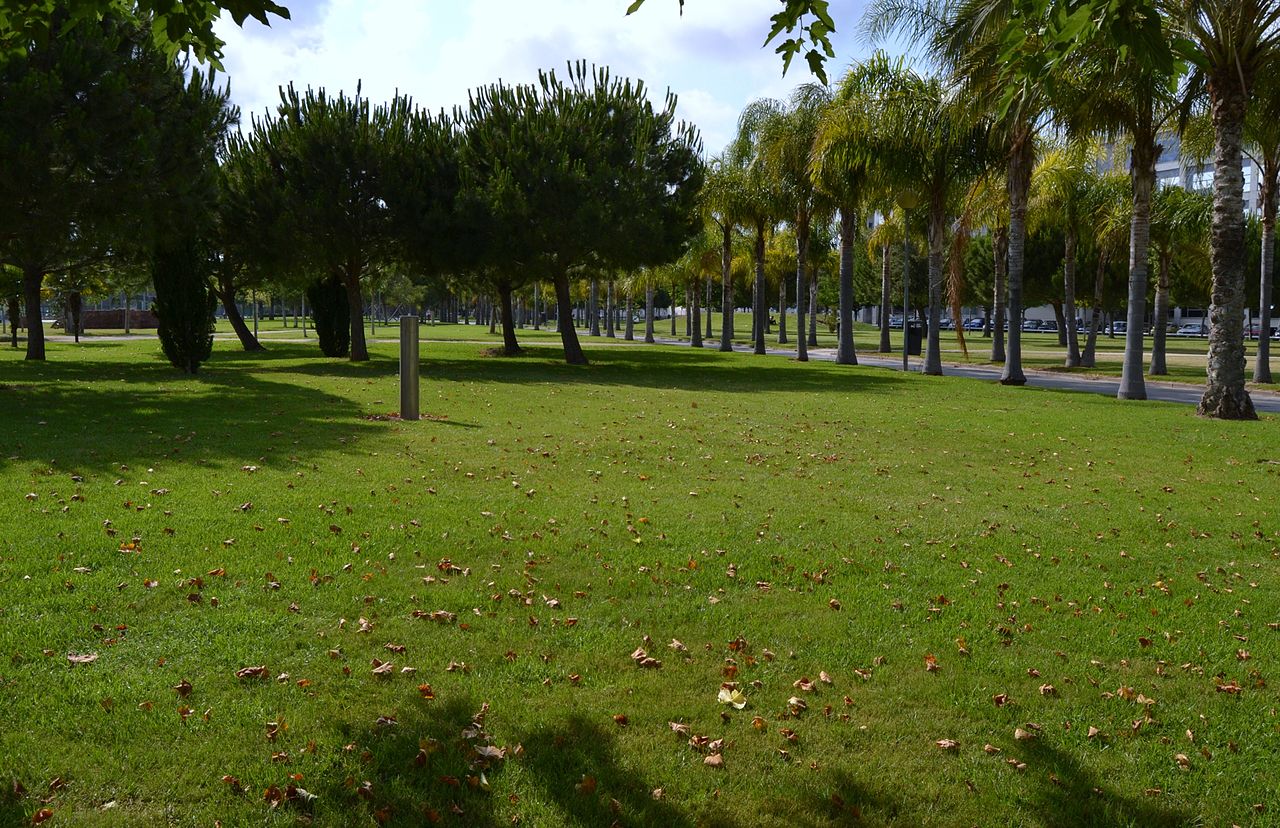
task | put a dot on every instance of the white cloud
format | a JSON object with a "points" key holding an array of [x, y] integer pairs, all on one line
{"points": [[435, 50]]}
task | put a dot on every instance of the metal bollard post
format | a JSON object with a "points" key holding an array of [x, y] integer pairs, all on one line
{"points": [[408, 368]]}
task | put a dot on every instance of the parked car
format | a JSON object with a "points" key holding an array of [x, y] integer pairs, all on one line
{"points": [[1193, 329], [1030, 325], [1049, 325], [1120, 327], [974, 324], [1255, 330]]}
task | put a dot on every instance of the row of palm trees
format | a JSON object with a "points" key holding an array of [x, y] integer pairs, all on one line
{"points": [[1013, 84]]}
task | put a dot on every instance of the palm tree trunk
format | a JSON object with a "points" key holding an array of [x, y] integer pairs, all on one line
{"points": [[813, 310], [1267, 190], [726, 289], [1225, 396], [707, 309], [760, 312], [493, 315], [802, 284], [695, 317], [1060, 319], [1069, 298], [1159, 334], [937, 231], [593, 308], [537, 315], [510, 347], [845, 354], [1142, 172], [227, 295], [32, 281], [630, 333], [688, 311], [1095, 315], [886, 300], [568, 336], [1021, 161], [673, 309], [782, 312], [648, 314], [1000, 252], [610, 312]]}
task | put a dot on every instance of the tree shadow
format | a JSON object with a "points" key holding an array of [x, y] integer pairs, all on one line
{"points": [[420, 770], [1079, 799], [689, 369], [83, 416], [576, 763]]}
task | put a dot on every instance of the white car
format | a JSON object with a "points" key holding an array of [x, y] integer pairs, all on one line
{"points": [[1193, 329]]}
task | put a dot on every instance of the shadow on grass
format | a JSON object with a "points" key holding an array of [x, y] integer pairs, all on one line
{"points": [[90, 415], [417, 771], [1080, 799], [561, 757], [669, 368]]}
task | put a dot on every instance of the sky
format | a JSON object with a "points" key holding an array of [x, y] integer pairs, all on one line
{"points": [[711, 57]]}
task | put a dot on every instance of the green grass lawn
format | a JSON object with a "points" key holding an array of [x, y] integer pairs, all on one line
{"points": [[878, 562]]}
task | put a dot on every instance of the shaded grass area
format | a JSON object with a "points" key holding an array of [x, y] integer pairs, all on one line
{"points": [[1102, 566]]}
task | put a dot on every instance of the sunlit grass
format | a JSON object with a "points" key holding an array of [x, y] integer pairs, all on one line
{"points": [[1103, 566]]}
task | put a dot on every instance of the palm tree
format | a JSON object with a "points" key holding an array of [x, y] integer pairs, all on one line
{"points": [[987, 205], [1179, 226], [921, 136], [1109, 214], [1262, 134], [726, 196], [886, 236], [970, 40], [1231, 42], [786, 145], [760, 208], [1059, 188]]}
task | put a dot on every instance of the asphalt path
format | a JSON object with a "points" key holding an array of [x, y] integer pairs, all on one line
{"points": [[1174, 392]]}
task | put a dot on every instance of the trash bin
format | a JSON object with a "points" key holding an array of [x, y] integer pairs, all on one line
{"points": [[915, 335]]}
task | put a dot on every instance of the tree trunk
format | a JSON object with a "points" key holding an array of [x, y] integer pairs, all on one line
{"points": [[568, 336], [673, 310], [1142, 172], [15, 319], [1060, 319], [611, 312], [802, 284], [1225, 396], [813, 309], [1095, 315], [782, 311], [886, 300], [845, 353], [1021, 161], [1267, 190], [128, 316], [695, 316], [510, 347], [1069, 297], [355, 307], [760, 311], [648, 314], [73, 300], [707, 309], [937, 240], [1159, 332], [227, 296], [1000, 252], [537, 309], [493, 313], [630, 334], [986, 321], [32, 281], [593, 308], [726, 289]]}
